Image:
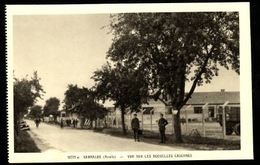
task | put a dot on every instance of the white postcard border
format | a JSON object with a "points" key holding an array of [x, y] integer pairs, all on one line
{"points": [[246, 151]]}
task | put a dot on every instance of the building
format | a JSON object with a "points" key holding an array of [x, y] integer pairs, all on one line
{"points": [[215, 100], [194, 107], [150, 113]]}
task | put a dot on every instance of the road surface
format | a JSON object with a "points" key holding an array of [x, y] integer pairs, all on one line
{"points": [[53, 138]]}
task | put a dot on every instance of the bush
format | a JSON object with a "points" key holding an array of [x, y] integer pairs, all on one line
{"points": [[24, 143]]}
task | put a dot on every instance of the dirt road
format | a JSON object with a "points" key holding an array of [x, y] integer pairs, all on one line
{"points": [[51, 137]]}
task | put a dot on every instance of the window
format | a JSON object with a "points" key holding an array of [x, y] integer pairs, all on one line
{"points": [[147, 110], [197, 109], [235, 108]]}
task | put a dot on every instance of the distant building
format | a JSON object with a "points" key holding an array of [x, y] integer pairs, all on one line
{"points": [[195, 104], [214, 100], [193, 108], [69, 114], [150, 113]]}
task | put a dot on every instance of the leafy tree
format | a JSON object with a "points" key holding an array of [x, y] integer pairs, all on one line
{"points": [[174, 48], [72, 96], [36, 111], [26, 93], [51, 107], [126, 87], [83, 101]]}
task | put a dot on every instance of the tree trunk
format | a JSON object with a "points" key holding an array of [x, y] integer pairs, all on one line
{"points": [[178, 104], [16, 126], [123, 120], [96, 124], [91, 123], [177, 128], [17, 119]]}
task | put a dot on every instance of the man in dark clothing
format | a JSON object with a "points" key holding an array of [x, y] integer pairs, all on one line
{"points": [[75, 123], [162, 123], [135, 127], [61, 123], [68, 121], [37, 122]]}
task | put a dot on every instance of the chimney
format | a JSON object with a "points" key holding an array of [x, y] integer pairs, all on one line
{"points": [[222, 90]]}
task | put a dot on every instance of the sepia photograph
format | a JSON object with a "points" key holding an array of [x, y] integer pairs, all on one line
{"points": [[135, 82]]}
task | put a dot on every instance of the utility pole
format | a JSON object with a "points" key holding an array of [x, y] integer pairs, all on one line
{"points": [[224, 119], [204, 107], [142, 113], [151, 117]]}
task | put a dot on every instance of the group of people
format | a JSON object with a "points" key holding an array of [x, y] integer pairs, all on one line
{"points": [[135, 125], [69, 122]]}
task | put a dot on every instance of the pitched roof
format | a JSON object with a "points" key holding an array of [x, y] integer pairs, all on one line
{"points": [[214, 98], [200, 98]]}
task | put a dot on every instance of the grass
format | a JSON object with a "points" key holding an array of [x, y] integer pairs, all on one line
{"points": [[24, 143], [206, 143], [191, 142]]}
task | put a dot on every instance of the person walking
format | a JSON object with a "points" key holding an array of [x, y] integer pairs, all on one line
{"points": [[75, 122], [61, 123], [162, 123], [37, 122], [135, 127]]}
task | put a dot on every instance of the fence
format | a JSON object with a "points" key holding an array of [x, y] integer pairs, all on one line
{"points": [[202, 125]]}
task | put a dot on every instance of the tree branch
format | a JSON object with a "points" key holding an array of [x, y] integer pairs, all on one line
{"points": [[165, 103], [194, 84], [158, 97]]}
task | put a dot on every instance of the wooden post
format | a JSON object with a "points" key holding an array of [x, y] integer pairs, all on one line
{"points": [[142, 120], [172, 121], [117, 125], [204, 107], [224, 119], [224, 122], [215, 111], [142, 113], [151, 117], [129, 120]]}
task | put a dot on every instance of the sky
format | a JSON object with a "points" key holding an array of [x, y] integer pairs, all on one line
{"points": [[67, 49]]}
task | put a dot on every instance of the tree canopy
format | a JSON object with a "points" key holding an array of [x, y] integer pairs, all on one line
{"points": [[124, 86], [83, 101], [170, 49], [36, 111], [51, 106], [26, 93]]}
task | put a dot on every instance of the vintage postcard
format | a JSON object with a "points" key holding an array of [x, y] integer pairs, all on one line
{"points": [[129, 82]]}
